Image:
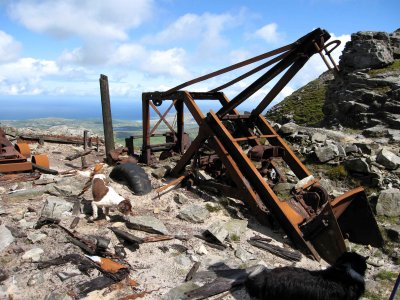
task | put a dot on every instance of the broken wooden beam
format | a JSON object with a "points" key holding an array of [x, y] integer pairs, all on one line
{"points": [[77, 155], [292, 255]]}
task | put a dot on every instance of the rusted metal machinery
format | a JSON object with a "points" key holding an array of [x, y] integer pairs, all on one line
{"points": [[243, 153], [14, 158]]}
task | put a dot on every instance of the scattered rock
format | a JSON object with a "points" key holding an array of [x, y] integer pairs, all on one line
{"points": [[55, 208], [147, 223], [183, 260], [358, 165], [46, 179], [19, 195], [160, 172], [377, 131], [194, 213], [304, 181], [33, 254], [67, 275], [388, 159], [181, 198], [236, 229], [6, 238], [178, 293], [327, 153], [318, 137], [202, 250], [289, 129], [350, 148], [217, 231], [393, 233], [36, 237], [35, 279], [58, 296], [244, 255], [283, 189], [389, 203]]}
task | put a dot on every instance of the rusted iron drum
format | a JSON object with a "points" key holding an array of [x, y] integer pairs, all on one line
{"points": [[41, 160], [23, 148]]}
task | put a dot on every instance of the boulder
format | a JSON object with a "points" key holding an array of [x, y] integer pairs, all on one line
{"points": [[318, 137], [217, 232], [388, 203], [289, 129], [33, 254], [367, 49], [388, 159], [357, 165], [327, 153]]}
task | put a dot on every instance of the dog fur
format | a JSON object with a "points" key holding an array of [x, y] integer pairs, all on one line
{"points": [[105, 196], [344, 280]]}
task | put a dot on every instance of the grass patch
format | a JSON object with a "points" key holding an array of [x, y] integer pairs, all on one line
{"points": [[393, 67], [337, 173], [372, 295], [234, 237], [304, 104], [386, 275]]}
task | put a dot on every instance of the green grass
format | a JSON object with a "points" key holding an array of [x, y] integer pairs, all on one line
{"points": [[304, 104], [395, 66], [213, 208], [386, 275], [337, 173], [372, 295]]}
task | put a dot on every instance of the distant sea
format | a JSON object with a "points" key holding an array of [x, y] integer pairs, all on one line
{"points": [[23, 108], [82, 108]]}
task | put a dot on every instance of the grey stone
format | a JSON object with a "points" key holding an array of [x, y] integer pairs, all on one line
{"points": [[289, 129], [160, 172], [146, 223], [303, 182], [217, 231], [46, 179], [358, 165], [36, 236], [367, 49], [55, 208], [318, 137], [6, 238], [181, 198], [33, 254], [393, 233], [183, 260], [58, 296], [35, 279], [377, 131], [236, 229], [178, 293], [389, 203], [24, 224], [27, 194], [67, 275], [244, 255], [327, 153], [2, 190], [194, 213], [350, 148], [388, 159]]}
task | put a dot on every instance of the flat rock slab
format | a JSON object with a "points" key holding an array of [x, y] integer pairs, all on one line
{"points": [[388, 159], [389, 203], [146, 223], [6, 238], [55, 208], [178, 292], [194, 214]]}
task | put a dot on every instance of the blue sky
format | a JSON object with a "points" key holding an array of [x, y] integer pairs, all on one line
{"points": [[54, 51]]}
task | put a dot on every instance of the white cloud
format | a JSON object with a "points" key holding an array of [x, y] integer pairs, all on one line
{"points": [[127, 54], [9, 48], [85, 18], [269, 33], [169, 62]]}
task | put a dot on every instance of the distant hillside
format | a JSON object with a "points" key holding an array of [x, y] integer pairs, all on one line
{"points": [[304, 106]]}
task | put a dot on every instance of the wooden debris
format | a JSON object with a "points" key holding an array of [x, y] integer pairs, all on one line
{"points": [[44, 170], [192, 271], [77, 155], [74, 223], [126, 236], [292, 255]]}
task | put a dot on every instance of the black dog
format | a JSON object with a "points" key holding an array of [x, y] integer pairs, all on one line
{"points": [[344, 280]]}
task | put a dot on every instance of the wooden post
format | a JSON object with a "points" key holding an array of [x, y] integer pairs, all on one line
{"points": [[85, 146], [107, 119], [129, 145]]}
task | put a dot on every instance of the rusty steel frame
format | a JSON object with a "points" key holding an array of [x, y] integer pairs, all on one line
{"points": [[317, 231]]}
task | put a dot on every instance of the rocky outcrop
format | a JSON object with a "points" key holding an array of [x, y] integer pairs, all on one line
{"points": [[367, 91]]}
